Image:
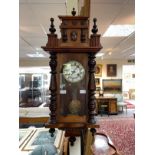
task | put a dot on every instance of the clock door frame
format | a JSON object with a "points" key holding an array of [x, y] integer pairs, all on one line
{"points": [[64, 58]]}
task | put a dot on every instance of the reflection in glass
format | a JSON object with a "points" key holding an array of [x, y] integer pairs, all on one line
{"points": [[70, 96]]}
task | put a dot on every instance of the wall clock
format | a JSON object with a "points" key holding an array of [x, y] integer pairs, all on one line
{"points": [[73, 71], [72, 85]]}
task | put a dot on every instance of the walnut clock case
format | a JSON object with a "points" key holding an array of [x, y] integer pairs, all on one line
{"points": [[72, 85]]}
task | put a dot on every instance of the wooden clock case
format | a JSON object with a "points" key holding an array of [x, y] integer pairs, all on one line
{"points": [[74, 44]]}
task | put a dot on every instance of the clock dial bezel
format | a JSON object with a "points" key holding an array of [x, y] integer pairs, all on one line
{"points": [[73, 71]]}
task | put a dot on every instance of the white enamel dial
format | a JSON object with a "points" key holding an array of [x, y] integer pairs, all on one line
{"points": [[73, 71]]}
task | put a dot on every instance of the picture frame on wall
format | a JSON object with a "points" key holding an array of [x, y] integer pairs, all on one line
{"points": [[98, 70], [112, 86], [111, 70], [97, 92], [97, 82], [98, 88]]}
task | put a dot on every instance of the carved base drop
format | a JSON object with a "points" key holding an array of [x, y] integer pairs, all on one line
{"points": [[51, 131], [72, 139]]}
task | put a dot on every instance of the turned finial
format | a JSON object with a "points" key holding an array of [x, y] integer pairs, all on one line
{"points": [[73, 12], [94, 29], [52, 29]]}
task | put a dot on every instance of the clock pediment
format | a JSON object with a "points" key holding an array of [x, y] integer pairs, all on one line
{"points": [[74, 36]]}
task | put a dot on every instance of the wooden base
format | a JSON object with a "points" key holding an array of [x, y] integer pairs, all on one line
{"points": [[71, 125], [73, 130], [72, 139]]}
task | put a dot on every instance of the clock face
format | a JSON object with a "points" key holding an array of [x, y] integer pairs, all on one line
{"points": [[73, 71]]}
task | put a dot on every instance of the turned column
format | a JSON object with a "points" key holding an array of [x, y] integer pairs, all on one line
{"points": [[53, 87], [91, 89], [94, 42]]}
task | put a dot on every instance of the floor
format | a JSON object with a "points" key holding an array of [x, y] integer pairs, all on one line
{"points": [[121, 129], [129, 113]]}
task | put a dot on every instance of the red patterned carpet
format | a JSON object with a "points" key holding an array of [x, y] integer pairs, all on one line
{"points": [[121, 131]]}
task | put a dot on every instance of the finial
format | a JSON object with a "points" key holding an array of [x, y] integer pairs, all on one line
{"points": [[94, 29], [52, 29], [73, 12]]}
